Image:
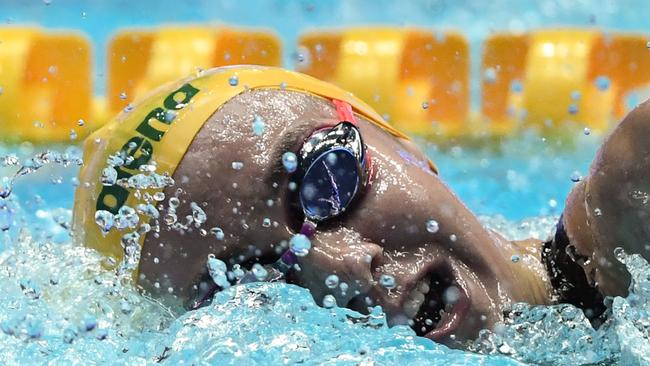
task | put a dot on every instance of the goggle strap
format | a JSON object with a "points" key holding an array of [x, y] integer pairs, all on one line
{"points": [[308, 228], [344, 111]]}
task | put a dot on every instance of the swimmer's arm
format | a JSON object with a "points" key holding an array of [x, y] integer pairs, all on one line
{"points": [[611, 207]]}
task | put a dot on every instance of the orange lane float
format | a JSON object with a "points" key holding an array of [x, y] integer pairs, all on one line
{"points": [[417, 79], [45, 85], [549, 79], [142, 60]]}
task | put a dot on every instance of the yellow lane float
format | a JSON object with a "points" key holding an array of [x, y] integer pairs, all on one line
{"points": [[45, 85], [549, 79], [142, 60], [417, 79]]}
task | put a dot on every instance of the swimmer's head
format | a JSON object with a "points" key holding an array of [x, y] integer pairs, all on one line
{"points": [[403, 240]]}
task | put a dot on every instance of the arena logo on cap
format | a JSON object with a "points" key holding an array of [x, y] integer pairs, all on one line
{"points": [[141, 145]]}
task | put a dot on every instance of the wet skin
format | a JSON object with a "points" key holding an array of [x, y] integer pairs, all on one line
{"points": [[382, 233], [611, 207]]}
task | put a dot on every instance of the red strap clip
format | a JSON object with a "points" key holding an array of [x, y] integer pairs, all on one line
{"points": [[344, 111]]}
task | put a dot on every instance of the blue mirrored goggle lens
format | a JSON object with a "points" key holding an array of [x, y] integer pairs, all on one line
{"points": [[330, 184]]}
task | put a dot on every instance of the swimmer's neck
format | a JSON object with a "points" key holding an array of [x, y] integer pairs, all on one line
{"points": [[527, 266]]}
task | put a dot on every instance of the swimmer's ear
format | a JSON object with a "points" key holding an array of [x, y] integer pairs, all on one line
{"points": [[433, 166]]}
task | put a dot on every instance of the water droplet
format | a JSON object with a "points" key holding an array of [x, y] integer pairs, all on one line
{"points": [[331, 159], [170, 116], [217, 232], [451, 295], [73, 135], [170, 218], [217, 270], [52, 70], [505, 349], [453, 237], [89, 323], [81, 122], [148, 209], [432, 226], [300, 245], [234, 80], [158, 196], [602, 83], [237, 165], [302, 57], [123, 95], [289, 161], [576, 95], [126, 218], [258, 126], [174, 202], [620, 254], [109, 176], [344, 287], [576, 177], [490, 75], [425, 105], [387, 281], [329, 301], [332, 281], [573, 109], [259, 272], [104, 220], [586, 131], [266, 222], [515, 258], [198, 214]]}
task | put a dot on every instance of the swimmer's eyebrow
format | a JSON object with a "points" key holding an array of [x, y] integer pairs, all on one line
{"points": [[292, 140]]}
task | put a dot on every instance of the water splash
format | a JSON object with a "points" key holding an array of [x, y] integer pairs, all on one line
{"points": [[70, 157], [561, 334], [61, 306]]}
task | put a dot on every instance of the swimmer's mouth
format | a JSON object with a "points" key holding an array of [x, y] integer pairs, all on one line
{"points": [[437, 304], [434, 306]]}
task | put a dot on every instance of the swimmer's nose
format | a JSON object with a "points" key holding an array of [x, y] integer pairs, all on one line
{"points": [[361, 264], [356, 268], [353, 261]]}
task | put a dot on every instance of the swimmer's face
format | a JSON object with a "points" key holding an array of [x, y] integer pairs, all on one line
{"points": [[448, 283]]}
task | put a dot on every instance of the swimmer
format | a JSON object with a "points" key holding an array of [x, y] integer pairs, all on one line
{"points": [[360, 201]]}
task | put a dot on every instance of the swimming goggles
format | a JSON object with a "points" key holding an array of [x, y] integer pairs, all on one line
{"points": [[333, 168]]}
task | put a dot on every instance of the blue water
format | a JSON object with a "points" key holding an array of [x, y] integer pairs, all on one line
{"points": [[60, 306]]}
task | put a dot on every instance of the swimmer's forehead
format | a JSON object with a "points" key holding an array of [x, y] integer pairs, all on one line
{"points": [[288, 117], [296, 114]]}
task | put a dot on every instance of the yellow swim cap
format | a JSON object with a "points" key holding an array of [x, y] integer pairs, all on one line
{"points": [[145, 133]]}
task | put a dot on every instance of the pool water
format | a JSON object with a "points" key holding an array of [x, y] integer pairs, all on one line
{"points": [[60, 306]]}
